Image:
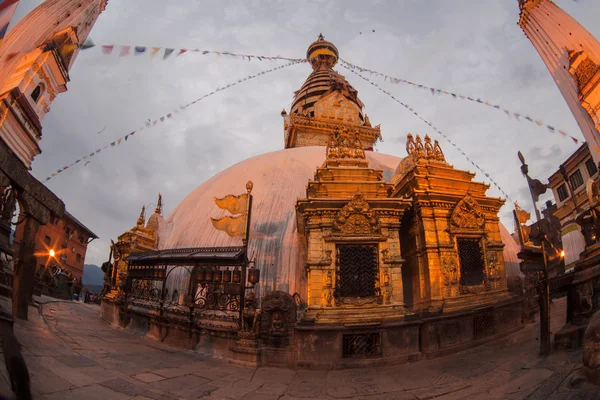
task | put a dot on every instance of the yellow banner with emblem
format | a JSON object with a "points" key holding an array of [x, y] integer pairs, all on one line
{"points": [[233, 226], [234, 204]]}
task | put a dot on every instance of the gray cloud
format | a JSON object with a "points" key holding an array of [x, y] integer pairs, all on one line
{"points": [[468, 47]]}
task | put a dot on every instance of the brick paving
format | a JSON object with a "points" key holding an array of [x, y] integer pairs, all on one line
{"points": [[73, 354]]}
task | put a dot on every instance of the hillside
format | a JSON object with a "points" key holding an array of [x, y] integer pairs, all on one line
{"points": [[93, 278]]}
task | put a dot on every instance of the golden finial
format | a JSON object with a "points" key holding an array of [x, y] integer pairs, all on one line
{"points": [[249, 186], [158, 204], [321, 37], [142, 219]]}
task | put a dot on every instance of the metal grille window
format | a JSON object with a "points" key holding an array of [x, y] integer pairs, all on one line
{"points": [[361, 344], [591, 167], [562, 192], [576, 179], [472, 266], [357, 270]]}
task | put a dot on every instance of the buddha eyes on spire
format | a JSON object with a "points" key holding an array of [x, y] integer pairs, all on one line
{"points": [[322, 52]]}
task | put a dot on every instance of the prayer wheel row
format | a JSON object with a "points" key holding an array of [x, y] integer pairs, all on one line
{"points": [[227, 276], [218, 276]]}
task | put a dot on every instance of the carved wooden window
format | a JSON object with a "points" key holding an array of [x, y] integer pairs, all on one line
{"points": [[591, 167], [576, 179], [562, 192], [472, 266], [37, 92], [357, 270]]}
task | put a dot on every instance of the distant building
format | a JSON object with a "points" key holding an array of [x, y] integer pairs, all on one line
{"points": [[571, 199], [68, 238]]}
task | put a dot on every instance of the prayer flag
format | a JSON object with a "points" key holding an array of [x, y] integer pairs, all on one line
{"points": [[88, 44], [162, 119], [124, 51], [181, 52], [126, 137], [113, 144], [169, 115], [550, 128], [139, 50], [107, 49], [119, 141], [154, 51], [540, 123], [154, 122], [168, 52]]}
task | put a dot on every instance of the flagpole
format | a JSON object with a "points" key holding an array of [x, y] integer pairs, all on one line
{"points": [[249, 186]]}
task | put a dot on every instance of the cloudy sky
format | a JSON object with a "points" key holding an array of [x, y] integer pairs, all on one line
{"points": [[469, 47]]}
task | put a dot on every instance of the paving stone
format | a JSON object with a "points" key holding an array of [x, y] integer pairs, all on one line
{"points": [[72, 375], [93, 392], [148, 377], [132, 389], [277, 389], [44, 381]]}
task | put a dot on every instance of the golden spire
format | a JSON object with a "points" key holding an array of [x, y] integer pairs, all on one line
{"points": [[158, 205], [142, 218]]}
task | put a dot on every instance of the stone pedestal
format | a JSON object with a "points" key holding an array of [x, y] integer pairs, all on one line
{"points": [[246, 351]]}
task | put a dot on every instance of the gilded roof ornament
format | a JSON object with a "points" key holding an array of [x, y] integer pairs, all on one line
{"points": [[142, 218], [158, 209], [423, 149]]}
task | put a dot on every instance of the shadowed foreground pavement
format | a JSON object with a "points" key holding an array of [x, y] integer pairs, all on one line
{"points": [[73, 354]]}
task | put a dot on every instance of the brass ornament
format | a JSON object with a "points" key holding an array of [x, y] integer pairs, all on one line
{"points": [[357, 218], [467, 214]]}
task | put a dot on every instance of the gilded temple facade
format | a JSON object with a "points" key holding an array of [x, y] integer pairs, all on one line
{"points": [[365, 259]]}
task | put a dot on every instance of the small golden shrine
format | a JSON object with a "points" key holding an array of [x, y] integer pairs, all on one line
{"points": [[142, 237]]}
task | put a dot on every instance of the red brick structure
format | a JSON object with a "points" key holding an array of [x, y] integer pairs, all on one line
{"points": [[67, 237]]}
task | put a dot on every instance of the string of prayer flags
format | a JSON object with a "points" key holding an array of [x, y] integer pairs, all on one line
{"points": [[125, 50], [150, 123], [387, 78], [434, 128]]}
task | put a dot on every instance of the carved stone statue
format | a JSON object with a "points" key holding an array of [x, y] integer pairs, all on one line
{"points": [[251, 314], [358, 150]]}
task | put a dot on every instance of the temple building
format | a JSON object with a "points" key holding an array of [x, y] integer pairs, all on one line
{"points": [[35, 59], [60, 245], [353, 257]]}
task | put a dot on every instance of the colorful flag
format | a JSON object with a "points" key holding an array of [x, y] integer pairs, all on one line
{"points": [[88, 44], [139, 50], [7, 9], [119, 142], [168, 52], [154, 51], [125, 50], [181, 52], [107, 49]]}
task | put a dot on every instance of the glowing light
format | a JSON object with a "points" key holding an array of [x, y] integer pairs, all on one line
{"points": [[51, 252], [562, 253]]}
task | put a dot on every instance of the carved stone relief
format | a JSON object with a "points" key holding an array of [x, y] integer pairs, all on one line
{"points": [[467, 214], [357, 218]]}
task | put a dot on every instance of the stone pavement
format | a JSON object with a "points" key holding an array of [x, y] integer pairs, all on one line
{"points": [[73, 354]]}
